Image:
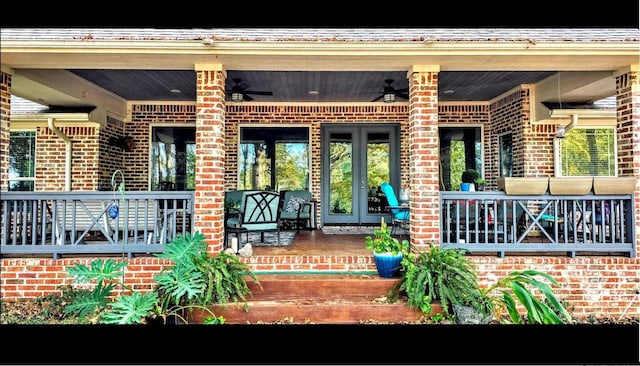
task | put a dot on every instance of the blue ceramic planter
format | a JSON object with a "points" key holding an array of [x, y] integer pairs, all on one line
{"points": [[388, 264]]}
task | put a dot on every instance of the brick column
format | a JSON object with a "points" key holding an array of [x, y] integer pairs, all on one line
{"points": [[628, 132], [210, 116], [5, 115], [424, 157]]}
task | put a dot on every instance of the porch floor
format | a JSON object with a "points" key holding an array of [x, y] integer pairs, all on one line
{"points": [[315, 242]]}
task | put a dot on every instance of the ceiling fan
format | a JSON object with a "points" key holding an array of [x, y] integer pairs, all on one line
{"points": [[390, 93], [240, 93]]}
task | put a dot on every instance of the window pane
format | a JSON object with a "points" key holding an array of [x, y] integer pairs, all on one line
{"points": [[292, 169], [460, 149], [22, 152], [588, 152], [506, 156], [274, 158], [255, 167], [173, 158], [341, 168], [378, 152]]}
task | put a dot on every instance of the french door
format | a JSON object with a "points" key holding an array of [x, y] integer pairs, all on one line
{"points": [[356, 159]]}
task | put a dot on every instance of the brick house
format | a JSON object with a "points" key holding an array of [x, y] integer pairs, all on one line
{"points": [[430, 66]]}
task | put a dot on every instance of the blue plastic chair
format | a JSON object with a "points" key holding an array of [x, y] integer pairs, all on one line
{"points": [[399, 214]]}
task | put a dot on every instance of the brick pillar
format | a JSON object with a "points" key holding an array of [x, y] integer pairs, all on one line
{"points": [[628, 132], [424, 157], [210, 116], [5, 115]]}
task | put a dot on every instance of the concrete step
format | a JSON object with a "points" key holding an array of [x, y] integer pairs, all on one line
{"points": [[318, 299]]}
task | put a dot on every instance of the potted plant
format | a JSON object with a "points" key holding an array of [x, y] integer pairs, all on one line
{"points": [[448, 276], [479, 182], [388, 251], [436, 274], [468, 179], [195, 280]]}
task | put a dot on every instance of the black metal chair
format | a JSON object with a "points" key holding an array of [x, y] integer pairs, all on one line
{"points": [[296, 209]]}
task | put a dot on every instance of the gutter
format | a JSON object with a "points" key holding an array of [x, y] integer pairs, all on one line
{"points": [[67, 141]]}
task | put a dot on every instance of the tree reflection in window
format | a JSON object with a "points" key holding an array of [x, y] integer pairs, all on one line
{"points": [[274, 158], [173, 157], [506, 155]]}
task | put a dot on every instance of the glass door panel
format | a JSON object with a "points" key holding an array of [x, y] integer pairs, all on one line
{"points": [[340, 173], [377, 162]]}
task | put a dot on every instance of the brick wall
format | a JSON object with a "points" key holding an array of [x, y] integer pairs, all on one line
{"points": [[111, 157], [589, 286], [28, 278], [50, 159], [628, 132], [507, 115]]}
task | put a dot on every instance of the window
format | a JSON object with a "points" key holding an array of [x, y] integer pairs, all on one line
{"points": [[460, 149], [588, 152], [173, 158], [22, 157], [273, 158], [506, 155]]}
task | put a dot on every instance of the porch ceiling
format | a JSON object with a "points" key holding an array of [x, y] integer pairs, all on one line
{"points": [[285, 86]]}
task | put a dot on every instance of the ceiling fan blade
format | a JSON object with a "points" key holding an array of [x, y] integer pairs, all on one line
{"points": [[402, 95], [246, 97], [258, 92], [378, 98], [403, 90]]}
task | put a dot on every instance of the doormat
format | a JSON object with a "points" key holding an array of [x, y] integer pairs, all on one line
{"points": [[350, 230], [270, 239]]}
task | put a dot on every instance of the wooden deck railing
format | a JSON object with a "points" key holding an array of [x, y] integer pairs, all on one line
{"points": [[501, 223], [80, 223], [86, 222]]}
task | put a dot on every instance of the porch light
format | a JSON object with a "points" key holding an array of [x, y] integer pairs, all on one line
{"points": [[389, 97], [236, 97]]}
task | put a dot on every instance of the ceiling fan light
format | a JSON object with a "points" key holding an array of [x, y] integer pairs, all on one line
{"points": [[389, 98], [236, 97]]}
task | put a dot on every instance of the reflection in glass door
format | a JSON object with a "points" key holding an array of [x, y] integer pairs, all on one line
{"points": [[358, 160]]}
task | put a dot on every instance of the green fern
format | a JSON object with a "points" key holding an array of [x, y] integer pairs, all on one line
{"points": [[446, 275]]}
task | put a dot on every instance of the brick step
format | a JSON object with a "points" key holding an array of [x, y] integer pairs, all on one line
{"points": [[318, 299]]}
